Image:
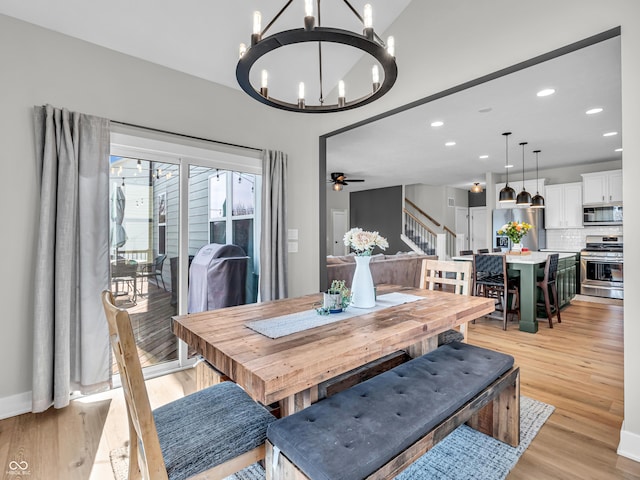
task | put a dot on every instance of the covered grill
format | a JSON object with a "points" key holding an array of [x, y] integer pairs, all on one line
{"points": [[217, 277]]}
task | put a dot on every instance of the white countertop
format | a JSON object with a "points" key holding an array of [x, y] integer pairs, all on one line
{"points": [[532, 259], [561, 250]]}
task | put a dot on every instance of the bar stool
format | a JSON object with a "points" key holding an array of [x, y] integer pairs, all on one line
{"points": [[492, 280], [466, 252], [482, 251], [548, 282]]}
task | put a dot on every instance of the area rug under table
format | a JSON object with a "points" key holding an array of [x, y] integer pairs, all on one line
{"points": [[463, 455]]}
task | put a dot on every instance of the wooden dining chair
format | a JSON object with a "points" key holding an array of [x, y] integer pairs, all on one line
{"points": [[217, 431], [482, 251], [548, 283], [466, 252], [434, 272]]}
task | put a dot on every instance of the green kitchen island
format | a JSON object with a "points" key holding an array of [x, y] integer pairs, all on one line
{"points": [[530, 267]]}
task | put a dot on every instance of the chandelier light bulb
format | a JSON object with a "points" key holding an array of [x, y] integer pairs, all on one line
{"points": [[341, 89], [257, 22], [375, 77], [368, 16], [264, 79], [242, 50], [391, 46], [308, 8], [301, 104]]}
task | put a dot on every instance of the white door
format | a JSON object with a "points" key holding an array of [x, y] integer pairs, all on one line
{"points": [[478, 231], [462, 226], [339, 218]]}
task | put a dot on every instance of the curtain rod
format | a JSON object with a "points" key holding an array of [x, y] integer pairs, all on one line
{"points": [[192, 137]]}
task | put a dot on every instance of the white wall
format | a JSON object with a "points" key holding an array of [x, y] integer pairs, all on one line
{"points": [[433, 200], [39, 67], [554, 176], [439, 45]]}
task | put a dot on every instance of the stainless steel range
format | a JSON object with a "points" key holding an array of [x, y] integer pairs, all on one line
{"points": [[601, 267]]}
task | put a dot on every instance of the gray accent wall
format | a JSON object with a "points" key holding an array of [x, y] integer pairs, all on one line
{"points": [[379, 210]]}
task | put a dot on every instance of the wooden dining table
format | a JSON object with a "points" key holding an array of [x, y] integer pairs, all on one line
{"points": [[289, 369]]}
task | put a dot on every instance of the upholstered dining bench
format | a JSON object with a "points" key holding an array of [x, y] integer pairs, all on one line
{"points": [[379, 427]]}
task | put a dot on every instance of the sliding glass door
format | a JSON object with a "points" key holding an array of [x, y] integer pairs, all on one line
{"points": [[144, 214], [167, 202]]}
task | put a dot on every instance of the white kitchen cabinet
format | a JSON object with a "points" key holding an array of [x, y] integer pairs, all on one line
{"points": [[530, 185], [563, 206], [602, 187]]}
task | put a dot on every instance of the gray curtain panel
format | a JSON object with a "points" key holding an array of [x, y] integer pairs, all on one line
{"points": [[273, 238], [71, 339]]}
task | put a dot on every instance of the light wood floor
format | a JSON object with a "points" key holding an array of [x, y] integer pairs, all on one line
{"points": [[576, 366]]}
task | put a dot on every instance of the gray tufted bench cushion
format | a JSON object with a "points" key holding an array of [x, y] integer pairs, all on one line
{"points": [[355, 432], [208, 428]]}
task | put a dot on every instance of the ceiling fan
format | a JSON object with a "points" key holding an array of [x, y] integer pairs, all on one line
{"points": [[339, 180]]}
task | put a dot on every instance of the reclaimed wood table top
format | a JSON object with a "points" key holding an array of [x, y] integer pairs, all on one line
{"points": [[273, 370]]}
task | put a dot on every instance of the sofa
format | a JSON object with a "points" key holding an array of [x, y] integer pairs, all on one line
{"points": [[399, 269]]}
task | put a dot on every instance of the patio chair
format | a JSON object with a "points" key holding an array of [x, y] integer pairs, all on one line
{"points": [[219, 430], [154, 270], [434, 272]]}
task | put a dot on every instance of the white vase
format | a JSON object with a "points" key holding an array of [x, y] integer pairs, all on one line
{"points": [[362, 288], [517, 247]]}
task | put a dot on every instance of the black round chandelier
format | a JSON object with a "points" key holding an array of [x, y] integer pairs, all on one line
{"points": [[368, 42]]}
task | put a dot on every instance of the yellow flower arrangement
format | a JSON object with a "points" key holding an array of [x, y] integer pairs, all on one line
{"points": [[515, 230]]}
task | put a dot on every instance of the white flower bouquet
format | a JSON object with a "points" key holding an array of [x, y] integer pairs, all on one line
{"points": [[363, 243]]}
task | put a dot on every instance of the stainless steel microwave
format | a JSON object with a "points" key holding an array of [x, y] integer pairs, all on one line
{"points": [[602, 215]]}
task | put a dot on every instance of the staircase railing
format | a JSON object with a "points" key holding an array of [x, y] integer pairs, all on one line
{"points": [[423, 213], [414, 223], [421, 235], [451, 241]]}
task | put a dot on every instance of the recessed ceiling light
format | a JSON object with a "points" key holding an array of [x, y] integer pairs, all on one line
{"points": [[618, 150], [609, 134], [546, 92], [450, 144], [483, 157], [437, 123], [593, 111], [485, 110]]}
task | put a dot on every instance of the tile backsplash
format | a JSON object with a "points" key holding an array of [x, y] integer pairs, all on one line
{"points": [[575, 238]]}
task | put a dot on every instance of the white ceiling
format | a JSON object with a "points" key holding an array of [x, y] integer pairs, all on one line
{"points": [[405, 149], [201, 38]]}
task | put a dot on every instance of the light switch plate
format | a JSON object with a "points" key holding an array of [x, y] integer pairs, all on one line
{"points": [[292, 247], [292, 234]]}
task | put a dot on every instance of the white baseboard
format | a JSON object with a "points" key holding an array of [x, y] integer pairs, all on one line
{"points": [[15, 405], [629, 445]]}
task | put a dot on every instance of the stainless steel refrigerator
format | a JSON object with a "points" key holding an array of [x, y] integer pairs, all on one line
{"points": [[535, 239]]}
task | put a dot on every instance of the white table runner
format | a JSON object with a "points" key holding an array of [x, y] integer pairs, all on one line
{"points": [[297, 322]]}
